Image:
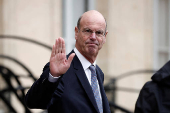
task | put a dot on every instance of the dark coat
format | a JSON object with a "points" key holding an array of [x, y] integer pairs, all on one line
{"points": [[72, 93], [155, 95]]}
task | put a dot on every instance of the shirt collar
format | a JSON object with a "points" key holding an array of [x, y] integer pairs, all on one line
{"points": [[85, 63]]}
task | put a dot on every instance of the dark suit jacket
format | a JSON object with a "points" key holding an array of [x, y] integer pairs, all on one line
{"points": [[72, 93]]}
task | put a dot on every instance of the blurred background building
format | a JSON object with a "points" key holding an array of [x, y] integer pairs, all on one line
{"points": [[138, 39]]}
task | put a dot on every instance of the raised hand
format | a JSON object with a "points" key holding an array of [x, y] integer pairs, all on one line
{"points": [[59, 64]]}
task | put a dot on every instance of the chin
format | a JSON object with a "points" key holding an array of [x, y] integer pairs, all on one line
{"points": [[92, 51]]}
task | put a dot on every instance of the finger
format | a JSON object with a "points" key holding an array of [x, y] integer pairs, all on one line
{"points": [[53, 51], [70, 58], [56, 46], [60, 45], [63, 46]]}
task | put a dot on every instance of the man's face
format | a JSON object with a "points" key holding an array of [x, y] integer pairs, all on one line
{"points": [[91, 36]]}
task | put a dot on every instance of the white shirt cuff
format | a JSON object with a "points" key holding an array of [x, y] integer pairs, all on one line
{"points": [[52, 79]]}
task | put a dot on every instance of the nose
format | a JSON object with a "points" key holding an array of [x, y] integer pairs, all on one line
{"points": [[93, 36]]}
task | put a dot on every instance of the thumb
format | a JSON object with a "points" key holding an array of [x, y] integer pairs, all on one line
{"points": [[70, 58]]}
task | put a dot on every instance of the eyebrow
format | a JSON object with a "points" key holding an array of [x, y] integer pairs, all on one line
{"points": [[95, 30]]}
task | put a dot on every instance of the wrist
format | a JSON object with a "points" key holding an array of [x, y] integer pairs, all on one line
{"points": [[55, 74]]}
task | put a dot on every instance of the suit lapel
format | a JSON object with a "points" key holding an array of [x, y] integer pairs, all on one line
{"points": [[79, 71]]}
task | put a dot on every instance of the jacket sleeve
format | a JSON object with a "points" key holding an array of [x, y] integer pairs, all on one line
{"points": [[40, 93], [147, 102]]}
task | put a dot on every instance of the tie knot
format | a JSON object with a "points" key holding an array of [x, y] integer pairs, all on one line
{"points": [[92, 68]]}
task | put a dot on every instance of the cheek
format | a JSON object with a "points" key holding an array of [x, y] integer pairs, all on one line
{"points": [[101, 42], [81, 40]]}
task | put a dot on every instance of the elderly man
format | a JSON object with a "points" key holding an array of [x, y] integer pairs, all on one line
{"points": [[74, 84]]}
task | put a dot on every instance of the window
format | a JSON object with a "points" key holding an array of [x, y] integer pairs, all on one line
{"points": [[72, 10]]}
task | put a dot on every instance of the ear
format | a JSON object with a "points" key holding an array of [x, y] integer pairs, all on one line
{"points": [[76, 32], [105, 36], [106, 33]]}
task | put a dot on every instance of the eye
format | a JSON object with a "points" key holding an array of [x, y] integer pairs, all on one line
{"points": [[88, 31], [99, 32]]}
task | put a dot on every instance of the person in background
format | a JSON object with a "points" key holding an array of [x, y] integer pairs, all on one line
{"points": [[154, 97], [74, 83]]}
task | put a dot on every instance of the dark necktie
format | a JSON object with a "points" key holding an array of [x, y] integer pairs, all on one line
{"points": [[95, 88]]}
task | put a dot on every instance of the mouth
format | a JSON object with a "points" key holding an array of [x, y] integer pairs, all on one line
{"points": [[92, 44]]}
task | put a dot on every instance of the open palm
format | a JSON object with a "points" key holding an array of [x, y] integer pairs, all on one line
{"points": [[59, 64]]}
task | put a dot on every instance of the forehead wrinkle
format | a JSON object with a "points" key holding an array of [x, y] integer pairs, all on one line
{"points": [[93, 27]]}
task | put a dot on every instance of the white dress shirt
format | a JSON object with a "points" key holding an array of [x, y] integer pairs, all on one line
{"points": [[85, 63]]}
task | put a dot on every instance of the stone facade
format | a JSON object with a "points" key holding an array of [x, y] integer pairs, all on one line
{"points": [[39, 20], [128, 46]]}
